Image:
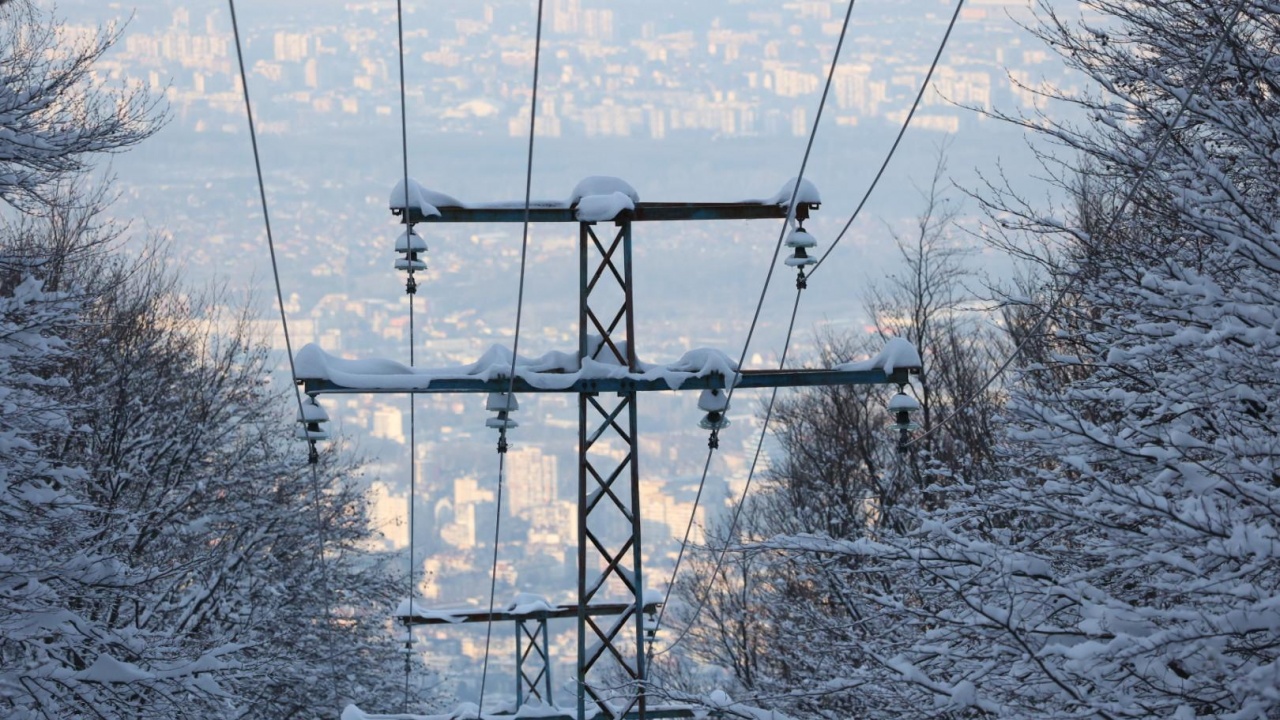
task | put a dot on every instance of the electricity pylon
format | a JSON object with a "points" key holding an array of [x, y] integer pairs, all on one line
{"points": [[611, 605]]}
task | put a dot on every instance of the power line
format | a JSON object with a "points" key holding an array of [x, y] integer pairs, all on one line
{"points": [[791, 208], [413, 497], [924, 86], [293, 374], [795, 190], [1057, 300], [493, 584], [1056, 303], [411, 291], [515, 348], [795, 307], [742, 499], [404, 127]]}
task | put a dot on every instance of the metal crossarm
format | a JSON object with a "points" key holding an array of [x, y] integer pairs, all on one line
{"points": [[560, 212], [747, 379], [454, 616]]}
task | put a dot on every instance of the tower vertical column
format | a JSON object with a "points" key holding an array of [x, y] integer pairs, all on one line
{"points": [[533, 661], [609, 555]]}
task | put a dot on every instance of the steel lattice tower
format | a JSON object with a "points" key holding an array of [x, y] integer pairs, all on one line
{"points": [[611, 603]]}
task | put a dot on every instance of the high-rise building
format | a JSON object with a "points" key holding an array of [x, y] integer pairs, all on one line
{"points": [[565, 15], [532, 479], [311, 74], [388, 422], [292, 47]]}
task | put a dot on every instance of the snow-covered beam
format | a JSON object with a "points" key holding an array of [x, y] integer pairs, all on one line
{"points": [[322, 373], [529, 611], [747, 379], [597, 199], [552, 211]]}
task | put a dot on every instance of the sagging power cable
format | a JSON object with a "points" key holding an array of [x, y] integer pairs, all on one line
{"points": [[782, 233], [1166, 135], [313, 456], [411, 289], [791, 326], [509, 397]]}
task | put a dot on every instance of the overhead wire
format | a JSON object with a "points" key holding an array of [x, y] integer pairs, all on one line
{"points": [[321, 532], [410, 290], [786, 225], [737, 510], [1056, 303], [906, 123], [791, 326], [515, 347], [1161, 144]]}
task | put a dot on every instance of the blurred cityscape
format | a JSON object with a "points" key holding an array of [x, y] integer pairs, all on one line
{"points": [[738, 76]]}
